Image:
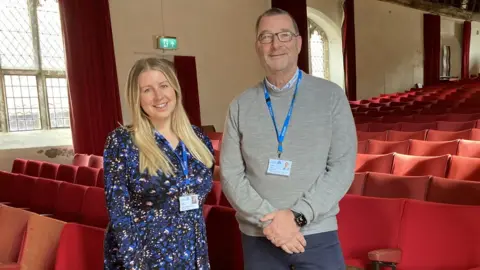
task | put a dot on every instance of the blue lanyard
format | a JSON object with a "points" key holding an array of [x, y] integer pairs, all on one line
{"points": [[281, 136], [183, 160]]}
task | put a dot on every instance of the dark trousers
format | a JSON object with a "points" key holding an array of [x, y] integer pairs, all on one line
{"points": [[323, 252]]}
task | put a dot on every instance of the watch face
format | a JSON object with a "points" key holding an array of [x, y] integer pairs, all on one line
{"points": [[301, 221]]}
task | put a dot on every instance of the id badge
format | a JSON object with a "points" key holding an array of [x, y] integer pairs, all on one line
{"points": [[188, 202], [279, 167]]}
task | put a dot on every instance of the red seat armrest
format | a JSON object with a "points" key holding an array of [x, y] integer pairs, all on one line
{"points": [[6, 203], [389, 255]]}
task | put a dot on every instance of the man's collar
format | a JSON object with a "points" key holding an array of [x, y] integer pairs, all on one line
{"points": [[289, 85]]}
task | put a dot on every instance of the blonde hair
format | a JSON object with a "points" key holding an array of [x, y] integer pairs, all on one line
{"points": [[152, 158]]}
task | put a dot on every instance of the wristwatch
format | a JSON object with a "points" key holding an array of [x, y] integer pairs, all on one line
{"points": [[299, 219]]}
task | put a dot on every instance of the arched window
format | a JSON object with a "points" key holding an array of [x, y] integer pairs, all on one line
{"points": [[318, 51]]}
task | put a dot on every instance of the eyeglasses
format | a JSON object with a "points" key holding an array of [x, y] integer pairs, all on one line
{"points": [[282, 36]]}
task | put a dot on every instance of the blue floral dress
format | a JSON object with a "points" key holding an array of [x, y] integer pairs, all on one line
{"points": [[147, 230]]}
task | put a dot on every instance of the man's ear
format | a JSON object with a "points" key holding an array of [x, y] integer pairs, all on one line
{"points": [[299, 43]]}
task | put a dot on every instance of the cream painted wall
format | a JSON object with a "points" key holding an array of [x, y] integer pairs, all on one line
{"points": [[475, 49], [219, 33], [389, 47], [451, 31]]}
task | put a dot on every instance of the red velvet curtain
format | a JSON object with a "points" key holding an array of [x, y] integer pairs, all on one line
{"points": [[349, 55], [467, 34], [95, 108], [187, 77], [431, 49], [298, 10]]}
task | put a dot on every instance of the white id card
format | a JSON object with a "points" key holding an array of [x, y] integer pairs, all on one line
{"points": [[188, 202], [279, 167]]}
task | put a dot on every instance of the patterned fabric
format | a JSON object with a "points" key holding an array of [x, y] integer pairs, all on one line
{"points": [[147, 230]]}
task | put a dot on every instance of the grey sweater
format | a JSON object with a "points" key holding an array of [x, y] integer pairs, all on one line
{"points": [[321, 142]]}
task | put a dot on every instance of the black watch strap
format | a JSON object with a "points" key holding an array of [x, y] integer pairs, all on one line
{"points": [[300, 219]]}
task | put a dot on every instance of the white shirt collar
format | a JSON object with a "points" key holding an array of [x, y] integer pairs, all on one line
{"points": [[286, 86]]}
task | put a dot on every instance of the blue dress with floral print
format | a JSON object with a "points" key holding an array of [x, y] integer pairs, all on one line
{"points": [[147, 230]]}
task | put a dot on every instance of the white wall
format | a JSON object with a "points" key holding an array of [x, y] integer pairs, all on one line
{"points": [[475, 49], [389, 47], [219, 33]]}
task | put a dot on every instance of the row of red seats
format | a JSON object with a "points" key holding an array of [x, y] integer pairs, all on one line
{"points": [[464, 148], [411, 234], [419, 101], [420, 118], [424, 188], [412, 126], [425, 135], [445, 166], [58, 199], [82, 175], [408, 233], [31, 241], [86, 160]]}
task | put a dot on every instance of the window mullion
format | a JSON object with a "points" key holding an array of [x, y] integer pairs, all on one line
{"points": [[3, 106], [42, 100]]}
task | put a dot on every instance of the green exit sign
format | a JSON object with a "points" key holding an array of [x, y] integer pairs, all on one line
{"points": [[166, 43]]}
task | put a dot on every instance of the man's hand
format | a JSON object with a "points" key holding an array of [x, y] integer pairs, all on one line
{"points": [[282, 228], [296, 245]]}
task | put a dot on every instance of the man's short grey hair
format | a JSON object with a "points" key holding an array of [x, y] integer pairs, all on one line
{"points": [[273, 12]]}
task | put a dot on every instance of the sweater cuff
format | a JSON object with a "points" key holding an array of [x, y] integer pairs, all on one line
{"points": [[304, 208]]}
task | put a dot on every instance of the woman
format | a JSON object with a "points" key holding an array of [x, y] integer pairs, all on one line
{"points": [[158, 172]]}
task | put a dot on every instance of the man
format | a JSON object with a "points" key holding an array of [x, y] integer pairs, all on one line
{"points": [[285, 178]]}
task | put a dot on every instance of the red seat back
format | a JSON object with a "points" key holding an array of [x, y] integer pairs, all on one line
{"points": [[363, 136], [454, 191], [467, 148], [95, 161], [455, 126], [377, 219], [395, 186], [440, 236], [49, 170], [87, 176], [80, 160], [19, 165], [45, 196], [412, 127], [362, 147], [6, 186], [464, 168], [67, 173], [94, 209], [439, 135], [33, 168], [386, 147], [418, 166], [432, 148], [476, 132], [358, 184], [394, 135], [23, 187], [80, 248], [374, 163], [69, 202]]}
